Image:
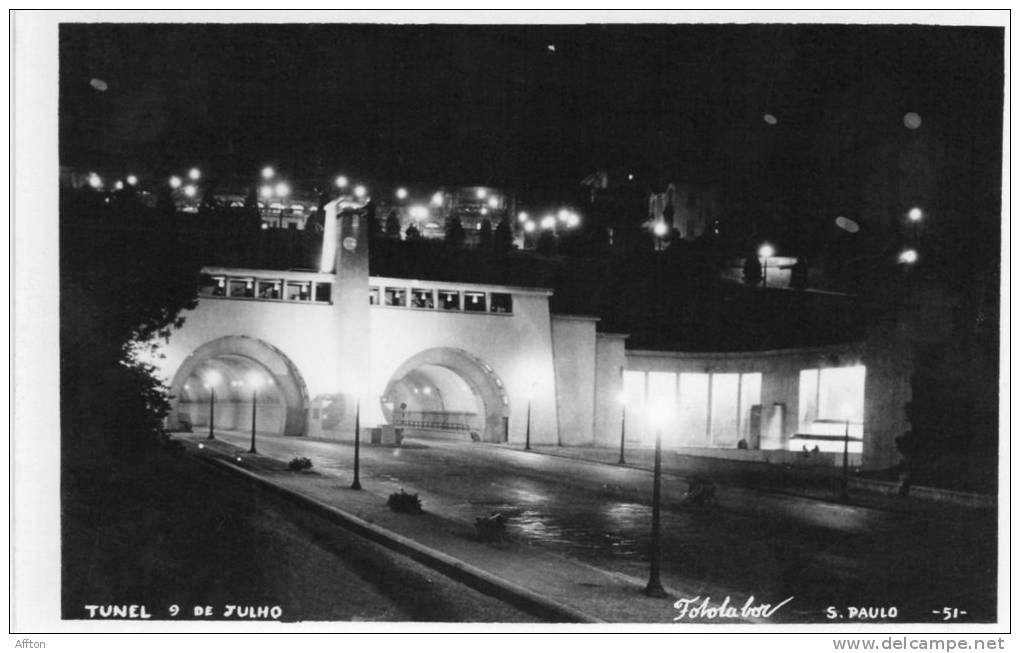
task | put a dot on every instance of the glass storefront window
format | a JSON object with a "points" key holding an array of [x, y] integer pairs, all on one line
{"points": [[694, 408], [634, 392], [396, 297], [724, 409], [502, 302], [421, 298], [474, 301], [449, 300], [750, 395], [662, 399]]}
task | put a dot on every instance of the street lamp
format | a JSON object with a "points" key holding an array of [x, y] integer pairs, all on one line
{"points": [[522, 217], [268, 172], [654, 587], [95, 180], [194, 174], [190, 190], [437, 198], [212, 377], [915, 214], [341, 182], [549, 222], [908, 256], [360, 192], [356, 485], [175, 182], [623, 424], [765, 251], [255, 380], [132, 180], [527, 429], [401, 193], [282, 190], [266, 192]]}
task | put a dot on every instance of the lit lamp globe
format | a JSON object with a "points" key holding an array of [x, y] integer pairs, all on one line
{"points": [[401, 193], [548, 222], [282, 189], [341, 182], [529, 226], [522, 217], [360, 192], [660, 229], [912, 120], [915, 214], [132, 180], [268, 172], [266, 192], [194, 174], [908, 256], [211, 379], [766, 251], [175, 182]]}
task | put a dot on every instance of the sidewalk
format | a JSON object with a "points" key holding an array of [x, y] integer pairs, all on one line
{"points": [[571, 590], [820, 483]]}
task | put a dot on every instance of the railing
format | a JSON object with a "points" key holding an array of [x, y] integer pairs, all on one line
{"points": [[434, 420]]}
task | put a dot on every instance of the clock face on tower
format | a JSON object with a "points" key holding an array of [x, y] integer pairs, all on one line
{"points": [[350, 244]]}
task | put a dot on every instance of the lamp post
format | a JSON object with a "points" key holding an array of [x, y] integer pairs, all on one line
{"points": [[212, 377], [255, 380], [654, 587], [527, 428], [660, 230], [356, 485], [765, 251], [623, 424]]}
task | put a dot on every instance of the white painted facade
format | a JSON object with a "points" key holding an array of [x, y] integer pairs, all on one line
{"points": [[481, 361]]}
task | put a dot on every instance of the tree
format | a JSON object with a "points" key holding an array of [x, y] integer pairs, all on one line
{"points": [[412, 233], [454, 233], [546, 243], [503, 238], [752, 269], [122, 290], [485, 234], [393, 224]]}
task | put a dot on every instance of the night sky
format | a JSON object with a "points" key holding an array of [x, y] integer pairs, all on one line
{"points": [[496, 105]]}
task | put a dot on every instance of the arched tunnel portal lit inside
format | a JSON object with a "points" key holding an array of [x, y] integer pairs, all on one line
{"points": [[447, 393], [225, 378]]}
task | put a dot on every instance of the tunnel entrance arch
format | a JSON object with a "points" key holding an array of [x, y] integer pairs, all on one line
{"points": [[241, 366], [447, 391]]}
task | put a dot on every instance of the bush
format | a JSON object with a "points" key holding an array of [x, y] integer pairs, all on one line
{"points": [[298, 464], [491, 528], [404, 502]]}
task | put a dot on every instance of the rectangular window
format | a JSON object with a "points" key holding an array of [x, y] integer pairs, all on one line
{"points": [[242, 288], [323, 292], [449, 300], [694, 409], [474, 301], [269, 289], [373, 296], [297, 291], [502, 302], [396, 297], [422, 298], [724, 409], [634, 393]]}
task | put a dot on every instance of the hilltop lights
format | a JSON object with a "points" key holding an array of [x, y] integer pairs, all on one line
{"points": [[194, 174], [437, 199], [549, 222], [360, 191], [175, 182], [401, 193], [268, 172], [95, 180], [341, 182], [418, 212], [522, 217]]}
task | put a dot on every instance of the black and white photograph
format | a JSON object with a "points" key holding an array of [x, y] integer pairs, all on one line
{"points": [[513, 321]]}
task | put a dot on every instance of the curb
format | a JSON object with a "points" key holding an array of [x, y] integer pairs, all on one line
{"points": [[474, 577]]}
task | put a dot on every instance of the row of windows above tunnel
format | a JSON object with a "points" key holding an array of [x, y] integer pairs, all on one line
{"points": [[298, 290]]}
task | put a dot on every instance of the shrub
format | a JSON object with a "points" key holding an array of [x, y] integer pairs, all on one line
{"points": [[404, 502], [299, 463], [491, 528]]}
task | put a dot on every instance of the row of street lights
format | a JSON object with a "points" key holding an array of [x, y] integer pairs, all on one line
{"points": [[564, 218], [255, 380]]}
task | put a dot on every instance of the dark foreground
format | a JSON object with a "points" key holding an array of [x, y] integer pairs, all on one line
{"points": [[174, 532]]}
